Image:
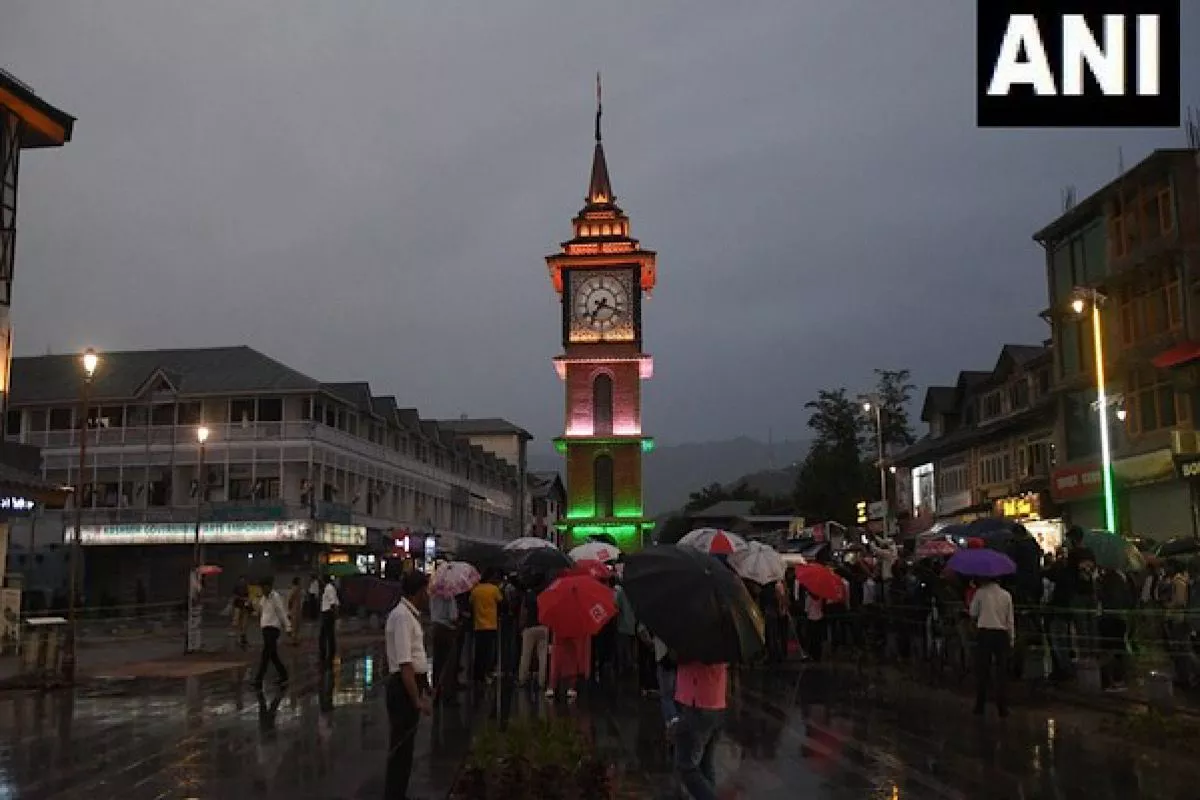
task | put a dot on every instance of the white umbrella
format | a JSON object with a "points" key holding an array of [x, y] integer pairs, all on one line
{"points": [[595, 551], [713, 541], [454, 578], [759, 563], [528, 543]]}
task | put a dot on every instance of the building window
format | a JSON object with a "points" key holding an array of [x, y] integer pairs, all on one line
{"points": [[1018, 395], [1152, 404], [191, 413], [1043, 382], [995, 468], [61, 419], [993, 405], [270, 409], [603, 480], [602, 405], [162, 415], [1151, 308], [12, 422]]}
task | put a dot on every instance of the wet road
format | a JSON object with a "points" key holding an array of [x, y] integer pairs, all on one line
{"points": [[790, 733]]}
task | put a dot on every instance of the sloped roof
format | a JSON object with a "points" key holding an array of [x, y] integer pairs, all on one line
{"points": [[356, 393], [726, 509], [489, 426], [939, 400], [122, 374]]}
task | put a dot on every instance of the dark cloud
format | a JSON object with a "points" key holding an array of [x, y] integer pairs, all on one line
{"points": [[366, 191]]}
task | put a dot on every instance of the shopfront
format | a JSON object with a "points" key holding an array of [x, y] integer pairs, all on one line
{"points": [[1187, 469], [1031, 509], [1156, 504]]}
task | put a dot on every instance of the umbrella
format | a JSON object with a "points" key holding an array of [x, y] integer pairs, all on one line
{"points": [[209, 569], [342, 569], [976, 543], [482, 555], [575, 606], [696, 605], [603, 538], [1179, 546], [820, 581], [981, 563], [528, 543], [591, 568], [713, 541], [990, 526], [453, 579], [1112, 551], [758, 563], [595, 551], [936, 548], [539, 560]]}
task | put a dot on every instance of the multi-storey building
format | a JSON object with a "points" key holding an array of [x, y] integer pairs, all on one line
{"points": [[547, 505], [294, 470], [989, 449], [1132, 246]]}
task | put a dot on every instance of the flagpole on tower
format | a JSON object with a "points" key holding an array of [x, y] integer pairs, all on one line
{"points": [[599, 106]]}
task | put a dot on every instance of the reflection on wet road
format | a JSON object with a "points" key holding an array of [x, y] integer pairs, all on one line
{"points": [[790, 733]]}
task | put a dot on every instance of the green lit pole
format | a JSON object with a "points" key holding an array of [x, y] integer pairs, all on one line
{"points": [[1085, 297]]}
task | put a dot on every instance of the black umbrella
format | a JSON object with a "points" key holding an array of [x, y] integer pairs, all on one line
{"points": [[695, 604], [482, 555], [604, 538], [537, 562], [1179, 546]]}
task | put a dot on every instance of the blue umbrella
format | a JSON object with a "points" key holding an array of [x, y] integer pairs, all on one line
{"points": [[982, 563]]}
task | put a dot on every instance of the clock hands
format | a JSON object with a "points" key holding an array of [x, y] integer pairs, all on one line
{"points": [[601, 305]]}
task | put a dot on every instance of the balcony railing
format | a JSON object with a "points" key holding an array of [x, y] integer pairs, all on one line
{"points": [[183, 437]]}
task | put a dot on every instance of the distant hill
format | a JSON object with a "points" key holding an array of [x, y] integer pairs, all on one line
{"points": [[675, 471]]}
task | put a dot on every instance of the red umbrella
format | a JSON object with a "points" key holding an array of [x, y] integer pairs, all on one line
{"points": [[936, 547], [975, 543], [819, 580], [591, 568], [210, 569], [575, 606]]}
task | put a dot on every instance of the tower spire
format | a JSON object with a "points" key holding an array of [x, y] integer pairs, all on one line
{"points": [[599, 187]]}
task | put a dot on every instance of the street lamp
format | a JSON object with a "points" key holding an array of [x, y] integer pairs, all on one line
{"points": [[194, 621], [89, 362], [1083, 299], [873, 403]]}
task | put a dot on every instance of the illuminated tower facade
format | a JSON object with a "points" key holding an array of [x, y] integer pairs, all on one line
{"points": [[602, 276]]}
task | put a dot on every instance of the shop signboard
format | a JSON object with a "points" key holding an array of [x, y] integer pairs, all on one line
{"points": [[1021, 507], [1076, 483], [16, 506], [340, 533], [1187, 467], [185, 533]]}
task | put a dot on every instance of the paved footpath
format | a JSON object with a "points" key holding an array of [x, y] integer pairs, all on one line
{"points": [[791, 732]]}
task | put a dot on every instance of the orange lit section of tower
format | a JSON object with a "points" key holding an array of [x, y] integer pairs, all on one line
{"points": [[602, 276]]}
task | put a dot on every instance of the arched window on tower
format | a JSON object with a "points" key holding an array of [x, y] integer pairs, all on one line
{"points": [[602, 476], [602, 405]]}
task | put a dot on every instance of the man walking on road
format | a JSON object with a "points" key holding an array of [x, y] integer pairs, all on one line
{"points": [[408, 681], [327, 639], [274, 621]]}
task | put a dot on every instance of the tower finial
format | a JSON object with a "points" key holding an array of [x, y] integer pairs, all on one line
{"points": [[599, 106]]}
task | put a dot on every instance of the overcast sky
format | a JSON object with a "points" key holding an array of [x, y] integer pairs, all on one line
{"points": [[366, 191]]}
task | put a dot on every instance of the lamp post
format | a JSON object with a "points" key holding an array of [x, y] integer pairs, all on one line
{"points": [[195, 610], [873, 404], [1085, 298], [89, 361]]}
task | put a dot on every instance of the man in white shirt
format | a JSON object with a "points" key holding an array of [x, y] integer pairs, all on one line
{"points": [[408, 680], [327, 638], [273, 620], [995, 633]]}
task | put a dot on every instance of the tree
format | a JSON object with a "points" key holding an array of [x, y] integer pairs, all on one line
{"points": [[895, 394], [832, 479], [673, 529], [709, 495]]}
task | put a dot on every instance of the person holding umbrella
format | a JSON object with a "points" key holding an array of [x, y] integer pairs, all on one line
{"points": [[574, 608]]}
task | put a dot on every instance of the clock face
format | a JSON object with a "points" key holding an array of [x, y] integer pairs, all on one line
{"points": [[601, 303]]}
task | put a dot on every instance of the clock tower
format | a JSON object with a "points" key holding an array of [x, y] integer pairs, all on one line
{"points": [[602, 276]]}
